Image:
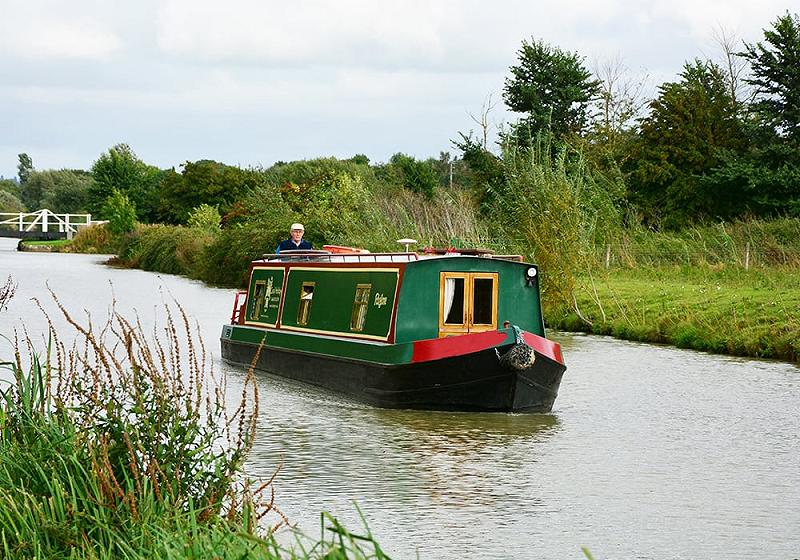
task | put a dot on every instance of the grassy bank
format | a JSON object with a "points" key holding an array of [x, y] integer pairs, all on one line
{"points": [[52, 245], [721, 309], [121, 447]]}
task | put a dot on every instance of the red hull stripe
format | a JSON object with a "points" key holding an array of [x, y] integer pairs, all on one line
{"points": [[544, 347], [438, 348]]}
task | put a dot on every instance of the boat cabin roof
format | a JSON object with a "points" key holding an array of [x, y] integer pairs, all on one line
{"points": [[352, 255]]}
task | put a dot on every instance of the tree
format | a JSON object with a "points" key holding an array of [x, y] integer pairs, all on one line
{"points": [[734, 66], [416, 176], [10, 186], [67, 191], [613, 127], [775, 70], [203, 182], [690, 124], [360, 159], [24, 168], [10, 203], [205, 217], [552, 88], [61, 191], [33, 189], [120, 169], [769, 171], [29, 195], [483, 120], [487, 177]]}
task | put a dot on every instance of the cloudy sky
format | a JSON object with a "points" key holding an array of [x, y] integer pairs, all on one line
{"points": [[251, 82]]}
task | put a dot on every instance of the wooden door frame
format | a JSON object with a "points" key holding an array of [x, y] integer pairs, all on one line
{"points": [[467, 326]]}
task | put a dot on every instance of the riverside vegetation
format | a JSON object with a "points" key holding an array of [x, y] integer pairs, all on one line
{"points": [[726, 288], [120, 446]]}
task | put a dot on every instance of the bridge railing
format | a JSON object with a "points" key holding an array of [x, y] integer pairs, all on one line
{"points": [[45, 221]]}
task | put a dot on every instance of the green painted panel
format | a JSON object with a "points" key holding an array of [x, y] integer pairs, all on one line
{"points": [[264, 295], [333, 300], [418, 307], [353, 349]]}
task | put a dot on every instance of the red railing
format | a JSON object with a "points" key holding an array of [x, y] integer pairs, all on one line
{"points": [[238, 309], [327, 256]]}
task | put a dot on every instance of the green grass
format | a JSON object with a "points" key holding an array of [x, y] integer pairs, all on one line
{"points": [[717, 309], [51, 243]]}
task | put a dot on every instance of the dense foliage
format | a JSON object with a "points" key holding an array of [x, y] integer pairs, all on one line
{"points": [[120, 169], [120, 211], [64, 191], [690, 126], [552, 88], [203, 182]]}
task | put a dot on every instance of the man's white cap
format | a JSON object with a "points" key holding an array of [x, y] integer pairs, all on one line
{"points": [[298, 226]]}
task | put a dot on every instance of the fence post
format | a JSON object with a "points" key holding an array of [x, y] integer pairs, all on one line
{"points": [[608, 255], [44, 221], [747, 256]]}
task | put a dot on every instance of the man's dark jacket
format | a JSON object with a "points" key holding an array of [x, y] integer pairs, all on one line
{"points": [[288, 245]]}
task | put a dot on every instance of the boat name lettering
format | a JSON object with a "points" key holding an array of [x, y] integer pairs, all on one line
{"points": [[380, 300]]}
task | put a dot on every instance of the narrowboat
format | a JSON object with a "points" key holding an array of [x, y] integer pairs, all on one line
{"points": [[455, 330]]}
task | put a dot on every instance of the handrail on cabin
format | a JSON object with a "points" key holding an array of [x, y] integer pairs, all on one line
{"points": [[236, 315], [326, 256], [316, 255]]}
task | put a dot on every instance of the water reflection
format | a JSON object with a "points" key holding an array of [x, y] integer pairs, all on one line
{"points": [[435, 471]]}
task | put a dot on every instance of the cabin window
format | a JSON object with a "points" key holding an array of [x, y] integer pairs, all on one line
{"points": [[483, 301], [467, 302], [360, 306], [453, 301], [304, 309], [259, 292]]}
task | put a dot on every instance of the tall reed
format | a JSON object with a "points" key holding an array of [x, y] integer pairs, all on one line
{"points": [[745, 243], [7, 290], [120, 446], [558, 211], [102, 438], [447, 218]]}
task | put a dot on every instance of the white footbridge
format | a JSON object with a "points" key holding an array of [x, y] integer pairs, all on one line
{"points": [[43, 224]]}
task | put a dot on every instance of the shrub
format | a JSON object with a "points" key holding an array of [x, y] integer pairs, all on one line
{"points": [[226, 259], [205, 217], [168, 249], [121, 213], [94, 239]]}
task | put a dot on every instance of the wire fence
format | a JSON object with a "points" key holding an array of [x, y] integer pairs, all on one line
{"points": [[653, 250]]}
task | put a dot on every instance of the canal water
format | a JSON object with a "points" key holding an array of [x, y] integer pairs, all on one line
{"points": [[650, 453]]}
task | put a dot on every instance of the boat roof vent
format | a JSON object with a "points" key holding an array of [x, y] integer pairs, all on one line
{"points": [[405, 242]]}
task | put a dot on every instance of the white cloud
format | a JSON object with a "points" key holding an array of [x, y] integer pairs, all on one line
{"points": [[304, 32], [51, 30]]}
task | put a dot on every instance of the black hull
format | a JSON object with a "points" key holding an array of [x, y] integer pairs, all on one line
{"points": [[471, 383]]}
